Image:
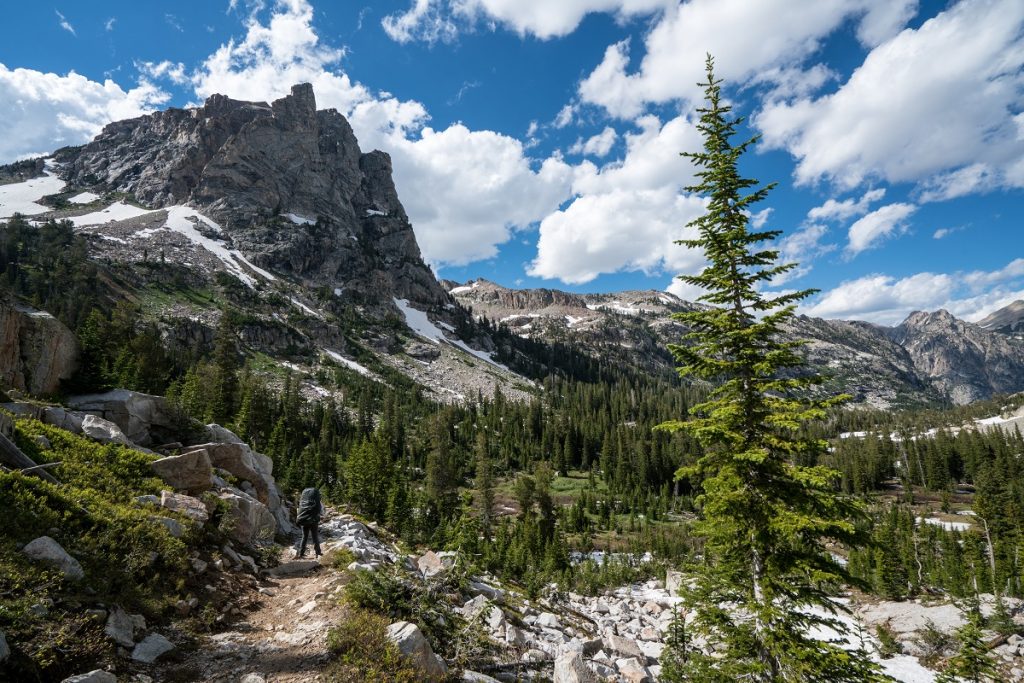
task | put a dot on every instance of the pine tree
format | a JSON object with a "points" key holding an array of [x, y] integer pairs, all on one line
{"points": [[766, 578], [973, 662], [484, 484]]}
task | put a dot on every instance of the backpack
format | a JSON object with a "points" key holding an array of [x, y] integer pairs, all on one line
{"points": [[309, 507]]}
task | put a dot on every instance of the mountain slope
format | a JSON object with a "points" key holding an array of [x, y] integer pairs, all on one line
{"points": [[1007, 320]]}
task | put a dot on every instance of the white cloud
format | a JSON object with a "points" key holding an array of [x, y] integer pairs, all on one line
{"points": [[833, 210], [618, 230], [748, 39], [627, 213], [465, 191], [941, 233], [424, 21], [598, 145], [40, 112], [64, 23], [565, 116], [802, 248], [540, 18], [877, 226], [888, 300], [109, 24], [932, 104], [174, 72]]}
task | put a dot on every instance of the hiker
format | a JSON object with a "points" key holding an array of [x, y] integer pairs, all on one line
{"points": [[308, 518]]}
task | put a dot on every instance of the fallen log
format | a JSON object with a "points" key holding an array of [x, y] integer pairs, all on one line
{"points": [[12, 456]]}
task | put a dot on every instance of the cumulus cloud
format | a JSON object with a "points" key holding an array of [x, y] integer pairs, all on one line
{"points": [[598, 145], [877, 226], [833, 210], [627, 213], [540, 18], [40, 112], [749, 41], [802, 247], [887, 300], [618, 230], [933, 105]]}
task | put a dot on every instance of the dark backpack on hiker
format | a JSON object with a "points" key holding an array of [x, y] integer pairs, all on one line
{"points": [[309, 507]]}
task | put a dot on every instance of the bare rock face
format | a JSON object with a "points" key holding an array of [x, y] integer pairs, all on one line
{"points": [[190, 472], [964, 361], [37, 351], [288, 184], [143, 418]]}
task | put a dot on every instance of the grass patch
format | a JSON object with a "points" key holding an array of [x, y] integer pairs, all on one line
{"points": [[363, 651]]}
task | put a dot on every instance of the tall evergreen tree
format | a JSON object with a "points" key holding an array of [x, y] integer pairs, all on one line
{"points": [[484, 484], [766, 577]]}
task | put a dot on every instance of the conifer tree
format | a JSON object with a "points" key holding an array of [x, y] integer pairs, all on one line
{"points": [[765, 579], [484, 484], [973, 662]]}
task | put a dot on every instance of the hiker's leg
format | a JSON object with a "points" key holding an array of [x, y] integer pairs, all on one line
{"points": [[316, 539], [305, 538]]}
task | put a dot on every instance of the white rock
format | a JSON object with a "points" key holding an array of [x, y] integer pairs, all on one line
{"points": [[97, 676], [151, 648], [103, 431], [172, 525], [548, 620], [414, 646], [45, 549], [626, 647], [632, 670], [474, 677], [673, 580], [252, 678], [120, 628], [193, 508], [570, 668]]}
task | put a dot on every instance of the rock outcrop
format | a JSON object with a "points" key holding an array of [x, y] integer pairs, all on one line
{"points": [[412, 644], [190, 472], [143, 418], [37, 351], [288, 184]]}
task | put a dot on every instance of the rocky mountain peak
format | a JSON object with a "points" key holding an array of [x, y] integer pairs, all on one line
{"points": [[1008, 320], [288, 184]]}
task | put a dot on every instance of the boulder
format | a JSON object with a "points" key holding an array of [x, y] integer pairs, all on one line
{"points": [[239, 460], [247, 520], [151, 648], [626, 647], [431, 563], [104, 431], [414, 646], [97, 676], [5, 651], [631, 669], [191, 472], [193, 508], [45, 549], [218, 434], [570, 668], [476, 677], [37, 351], [172, 525], [120, 627], [144, 419]]}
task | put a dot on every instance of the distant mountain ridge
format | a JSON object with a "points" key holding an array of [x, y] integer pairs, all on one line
{"points": [[1007, 320], [930, 357]]}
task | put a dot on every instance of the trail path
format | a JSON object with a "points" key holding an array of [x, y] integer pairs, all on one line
{"points": [[284, 640]]}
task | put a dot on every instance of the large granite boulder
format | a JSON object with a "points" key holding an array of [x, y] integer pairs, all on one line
{"points": [[414, 647], [239, 460], [37, 351], [47, 551], [190, 472], [570, 668], [144, 419], [247, 520], [193, 508], [151, 648], [96, 676], [104, 431]]}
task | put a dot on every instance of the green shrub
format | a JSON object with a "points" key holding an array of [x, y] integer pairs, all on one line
{"points": [[364, 652]]}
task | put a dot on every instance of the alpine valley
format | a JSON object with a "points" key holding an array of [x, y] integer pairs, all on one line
{"points": [[204, 311]]}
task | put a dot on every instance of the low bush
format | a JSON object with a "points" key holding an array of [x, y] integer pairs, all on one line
{"points": [[363, 651]]}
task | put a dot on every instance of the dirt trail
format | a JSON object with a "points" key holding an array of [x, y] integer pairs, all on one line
{"points": [[283, 640]]}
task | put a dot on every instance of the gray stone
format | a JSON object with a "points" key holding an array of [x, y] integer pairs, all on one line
{"points": [[548, 620], [120, 628], [632, 670], [173, 526], [247, 520], [142, 418], [37, 351], [627, 647], [151, 648], [191, 472], [193, 508], [414, 646], [252, 678], [97, 676], [45, 549], [570, 668], [104, 431], [432, 564], [475, 677]]}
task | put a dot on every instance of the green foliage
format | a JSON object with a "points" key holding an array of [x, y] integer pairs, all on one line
{"points": [[973, 662], [766, 516], [364, 653]]}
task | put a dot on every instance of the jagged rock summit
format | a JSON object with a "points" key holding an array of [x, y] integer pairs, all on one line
{"points": [[288, 185]]}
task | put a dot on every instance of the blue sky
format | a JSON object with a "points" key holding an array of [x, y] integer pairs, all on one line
{"points": [[536, 143]]}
